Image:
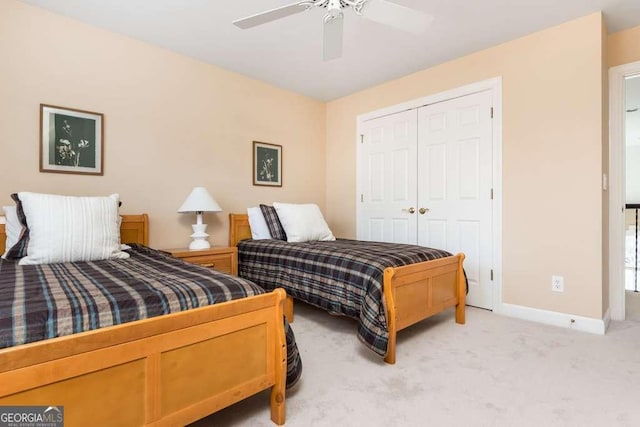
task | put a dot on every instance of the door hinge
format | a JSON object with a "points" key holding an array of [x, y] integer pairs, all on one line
{"points": [[492, 274], [362, 139], [492, 112], [362, 198], [492, 194]]}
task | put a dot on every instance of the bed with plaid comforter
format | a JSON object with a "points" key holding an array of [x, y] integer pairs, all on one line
{"points": [[342, 276], [38, 302]]}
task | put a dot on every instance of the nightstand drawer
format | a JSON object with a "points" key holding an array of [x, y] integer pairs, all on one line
{"points": [[217, 262], [223, 259]]}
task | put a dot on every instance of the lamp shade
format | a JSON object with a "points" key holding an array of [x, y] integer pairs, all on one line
{"points": [[200, 201]]}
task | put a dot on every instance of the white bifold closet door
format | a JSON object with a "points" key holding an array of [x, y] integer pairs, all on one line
{"points": [[425, 178], [388, 172]]}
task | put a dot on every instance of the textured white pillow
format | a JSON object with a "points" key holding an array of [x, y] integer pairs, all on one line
{"points": [[303, 222], [68, 228], [259, 228], [12, 227]]}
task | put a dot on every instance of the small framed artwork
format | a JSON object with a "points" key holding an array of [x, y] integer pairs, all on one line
{"points": [[71, 141], [267, 164]]}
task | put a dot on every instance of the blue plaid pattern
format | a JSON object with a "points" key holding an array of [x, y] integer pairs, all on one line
{"points": [[19, 250], [273, 222], [38, 302]]}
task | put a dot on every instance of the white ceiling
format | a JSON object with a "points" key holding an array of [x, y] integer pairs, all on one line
{"points": [[288, 52]]}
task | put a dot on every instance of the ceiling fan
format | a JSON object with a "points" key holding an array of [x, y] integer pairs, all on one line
{"points": [[382, 11]]}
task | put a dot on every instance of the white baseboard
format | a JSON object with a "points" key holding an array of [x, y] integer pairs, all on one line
{"points": [[569, 321]]}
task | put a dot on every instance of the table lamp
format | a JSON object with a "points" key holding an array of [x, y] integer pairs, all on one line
{"points": [[199, 201]]}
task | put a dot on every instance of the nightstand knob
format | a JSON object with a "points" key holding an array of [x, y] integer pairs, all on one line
{"points": [[209, 264]]}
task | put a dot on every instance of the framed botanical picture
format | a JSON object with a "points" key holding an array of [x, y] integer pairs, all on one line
{"points": [[267, 164], [71, 141]]}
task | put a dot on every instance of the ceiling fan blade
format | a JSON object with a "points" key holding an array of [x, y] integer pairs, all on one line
{"points": [[397, 16], [332, 44], [271, 15]]}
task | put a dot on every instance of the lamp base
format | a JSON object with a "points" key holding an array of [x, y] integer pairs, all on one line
{"points": [[199, 237], [196, 245]]}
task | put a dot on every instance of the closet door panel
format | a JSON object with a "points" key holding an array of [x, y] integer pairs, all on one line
{"points": [[437, 234], [437, 172], [454, 185], [469, 238], [376, 228], [388, 186], [468, 166], [375, 178]]}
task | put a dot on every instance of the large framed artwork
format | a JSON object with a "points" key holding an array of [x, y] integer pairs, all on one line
{"points": [[71, 141], [267, 164]]}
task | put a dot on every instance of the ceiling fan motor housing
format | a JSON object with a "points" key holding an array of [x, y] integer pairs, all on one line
{"points": [[343, 4], [339, 4]]}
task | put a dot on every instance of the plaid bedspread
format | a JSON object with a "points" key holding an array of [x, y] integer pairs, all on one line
{"points": [[342, 277], [46, 301]]}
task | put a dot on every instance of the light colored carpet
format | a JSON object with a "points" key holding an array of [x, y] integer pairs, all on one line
{"points": [[493, 371]]}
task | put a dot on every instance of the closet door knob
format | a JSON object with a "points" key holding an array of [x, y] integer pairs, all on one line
{"points": [[412, 210], [423, 211]]}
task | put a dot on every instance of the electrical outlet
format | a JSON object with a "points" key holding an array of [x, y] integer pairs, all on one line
{"points": [[557, 283]]}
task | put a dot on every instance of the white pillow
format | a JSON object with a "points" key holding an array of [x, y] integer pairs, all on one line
{"points": [[303, 222], [12, 227], [259, 228], [68, 228]]}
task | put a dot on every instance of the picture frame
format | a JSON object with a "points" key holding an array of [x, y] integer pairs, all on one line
{"points": [[71, 141], [267, 164]]}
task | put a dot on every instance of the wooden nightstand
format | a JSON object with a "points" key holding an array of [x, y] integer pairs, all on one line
{"points": [[220, 258]]}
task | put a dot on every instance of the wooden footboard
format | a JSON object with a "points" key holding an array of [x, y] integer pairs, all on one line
{"points": [[167, 370], [417, 291]]}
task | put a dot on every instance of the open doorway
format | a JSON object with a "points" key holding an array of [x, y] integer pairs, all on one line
{"points": [[632, 194], [624, 192]]}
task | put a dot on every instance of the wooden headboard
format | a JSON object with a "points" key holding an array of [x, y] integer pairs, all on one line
{"points": [[134, 229], [238, 228]]}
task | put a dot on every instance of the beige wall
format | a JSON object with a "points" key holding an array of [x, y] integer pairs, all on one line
{"points": [[623, 47], [171, 123], [552, 158]]}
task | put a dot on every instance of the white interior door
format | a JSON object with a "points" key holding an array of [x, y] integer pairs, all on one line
{"points": [[454, 186], [388, 170]]}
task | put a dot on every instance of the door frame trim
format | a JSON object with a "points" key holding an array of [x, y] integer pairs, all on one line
{"points": [[617, 195], [494, 85]]}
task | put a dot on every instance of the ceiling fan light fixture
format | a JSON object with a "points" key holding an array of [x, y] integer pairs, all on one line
{"points": [[334, 11]]}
